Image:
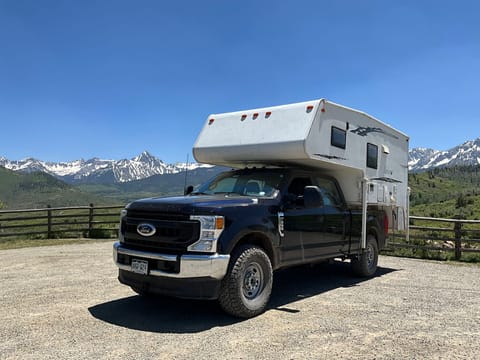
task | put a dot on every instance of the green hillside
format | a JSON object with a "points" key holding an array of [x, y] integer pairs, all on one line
{"points": [[157, 185], [446, 192], [36, 190]]}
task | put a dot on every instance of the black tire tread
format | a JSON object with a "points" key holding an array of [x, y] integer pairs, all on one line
{"points": [[359, 265], [229, 298]]}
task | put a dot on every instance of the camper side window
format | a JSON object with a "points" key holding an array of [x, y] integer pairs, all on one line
{"points": [[372, 156], [338, 137]]}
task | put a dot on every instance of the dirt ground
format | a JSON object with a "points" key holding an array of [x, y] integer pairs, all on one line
{"points": [[64, 302]]}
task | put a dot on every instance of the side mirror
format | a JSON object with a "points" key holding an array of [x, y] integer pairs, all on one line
{"points": [[312, 197], [188, 190]]}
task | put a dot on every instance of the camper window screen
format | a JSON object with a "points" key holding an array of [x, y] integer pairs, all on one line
{"points": [[339, 137], [372, 156]]}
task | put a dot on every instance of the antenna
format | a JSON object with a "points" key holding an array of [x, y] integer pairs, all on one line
{"points": [[185, 181]]}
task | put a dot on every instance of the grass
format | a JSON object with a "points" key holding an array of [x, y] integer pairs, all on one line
{"points": [[422, 242], [8, 244], [433, 255]]}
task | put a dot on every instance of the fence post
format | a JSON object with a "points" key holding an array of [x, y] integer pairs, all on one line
{"points": [[49, 222], [458, 240], [90, 220]]}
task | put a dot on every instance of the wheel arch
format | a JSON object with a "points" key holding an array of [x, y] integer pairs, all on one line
{"points": [[374, 229], [260, 240]]}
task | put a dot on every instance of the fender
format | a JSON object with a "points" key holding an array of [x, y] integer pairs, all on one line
{"points": [[375, 227], [262, 229]]}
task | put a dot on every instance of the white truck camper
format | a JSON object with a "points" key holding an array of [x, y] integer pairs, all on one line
{"points": [[368, 158]]}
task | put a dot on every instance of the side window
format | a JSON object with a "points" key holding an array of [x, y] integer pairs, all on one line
{"points": [[297, 186], [372, 156], [338, 137], [330, 194]]}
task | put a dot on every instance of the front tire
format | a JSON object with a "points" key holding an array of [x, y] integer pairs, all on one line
{"points": [[246, 288], [366, 263]]}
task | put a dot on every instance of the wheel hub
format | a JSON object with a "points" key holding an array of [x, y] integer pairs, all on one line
{"points": [[252, 281], [369, 255]]}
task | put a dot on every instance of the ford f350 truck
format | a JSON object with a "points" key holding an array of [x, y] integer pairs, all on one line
{"points": [[309, 182]]}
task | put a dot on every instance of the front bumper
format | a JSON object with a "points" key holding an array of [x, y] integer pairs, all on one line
{"points": [[191, 266]]}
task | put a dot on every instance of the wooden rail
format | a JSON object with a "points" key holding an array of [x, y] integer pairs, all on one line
{"points": [[87, 221], [458, 236], [455, 235]]}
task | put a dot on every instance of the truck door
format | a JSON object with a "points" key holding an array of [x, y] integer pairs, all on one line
{"points": [[314, 233], [295, 221], [326, 235]]}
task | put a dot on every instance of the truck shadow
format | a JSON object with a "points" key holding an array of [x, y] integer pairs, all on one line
{"points": [[169, 315]]}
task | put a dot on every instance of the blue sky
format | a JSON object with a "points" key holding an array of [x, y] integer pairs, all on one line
{"points": [[112, 78]]}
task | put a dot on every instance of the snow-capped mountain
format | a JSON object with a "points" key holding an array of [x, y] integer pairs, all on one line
{"points": [[467, 153], [145, 165], [98, 170]]}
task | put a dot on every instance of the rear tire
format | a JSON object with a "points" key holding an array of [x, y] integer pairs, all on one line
{"points": [[246, 288], [366, 263]]}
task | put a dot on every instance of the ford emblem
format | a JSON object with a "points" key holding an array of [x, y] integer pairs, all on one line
{"points": [[146, 229]]}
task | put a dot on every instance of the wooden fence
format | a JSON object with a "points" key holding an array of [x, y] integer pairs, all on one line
{"points": [[84, 221], [452, 236], [443, 235]]}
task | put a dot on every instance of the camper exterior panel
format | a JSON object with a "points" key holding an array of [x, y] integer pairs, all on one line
{"points": [[273, 133]]}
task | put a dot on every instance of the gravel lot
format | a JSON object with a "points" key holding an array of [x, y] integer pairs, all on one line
{"points": [[65, 302]]}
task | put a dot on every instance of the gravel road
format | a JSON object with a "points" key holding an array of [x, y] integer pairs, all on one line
{"points": [[64, 302]]}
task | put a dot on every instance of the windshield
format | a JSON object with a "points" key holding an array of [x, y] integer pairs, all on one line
{"points": [[258, 183]]}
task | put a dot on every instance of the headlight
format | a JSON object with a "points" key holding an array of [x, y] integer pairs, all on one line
{"points": [[121, 228], [210, 229]]}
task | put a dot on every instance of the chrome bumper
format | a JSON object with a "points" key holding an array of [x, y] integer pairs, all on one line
{"points": [[191, 266]]}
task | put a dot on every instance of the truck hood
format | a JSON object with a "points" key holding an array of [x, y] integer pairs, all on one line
{"points": [[192, 204]]}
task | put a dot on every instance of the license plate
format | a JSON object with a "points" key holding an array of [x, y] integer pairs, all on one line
{"points": [[140, 266]]}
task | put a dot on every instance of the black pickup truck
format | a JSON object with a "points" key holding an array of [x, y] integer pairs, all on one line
{"points": [[224, 240]]}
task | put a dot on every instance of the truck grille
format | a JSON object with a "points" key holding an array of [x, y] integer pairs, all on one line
{"points": [[174, 232], [136, 214]]}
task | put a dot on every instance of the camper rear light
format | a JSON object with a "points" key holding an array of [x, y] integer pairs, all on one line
{"points": [[309, 108], [210, 121], [244, 116], [255, 116], [267, 114]]}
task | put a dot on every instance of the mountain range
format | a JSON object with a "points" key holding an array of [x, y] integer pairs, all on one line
{"points": [[145, 165], [421, 159], [101, 171]]}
